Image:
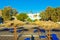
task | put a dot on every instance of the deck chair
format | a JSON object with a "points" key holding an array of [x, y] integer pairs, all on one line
{"points": [[11, 28], [5, 29], [56, 30], [54, 37], [42, 30], [27, 39], [42, 37], [19, 30], [11, 31], [35, 30]]}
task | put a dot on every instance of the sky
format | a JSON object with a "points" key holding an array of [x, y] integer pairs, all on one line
{"points": [[29, 5]]}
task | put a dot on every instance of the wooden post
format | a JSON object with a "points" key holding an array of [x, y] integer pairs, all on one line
{"points": [[49, 35], [15, 34], [38, 31]]}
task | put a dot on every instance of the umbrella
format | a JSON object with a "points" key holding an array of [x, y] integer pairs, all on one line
{"points": [[7, 23], [47, 25], [16, 23]]}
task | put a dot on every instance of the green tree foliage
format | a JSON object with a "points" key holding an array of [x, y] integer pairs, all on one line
{"points": [[22, 16], [29, 19], [8, 12], [14, 12], [50, 13]]}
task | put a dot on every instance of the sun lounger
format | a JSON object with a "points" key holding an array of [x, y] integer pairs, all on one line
{"points": [[26, 29], [56, 30], [11, 31], [19, 30], [42, 37], [42, 30], [5, 29], [27, 39], [54, 37], [35, 30], [11, 28]]}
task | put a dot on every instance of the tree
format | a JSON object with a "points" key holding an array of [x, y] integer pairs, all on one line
{"points": [[29, 19], [42, 15], [14, 12], [50, 13], [8, 12], [22, 16]]}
